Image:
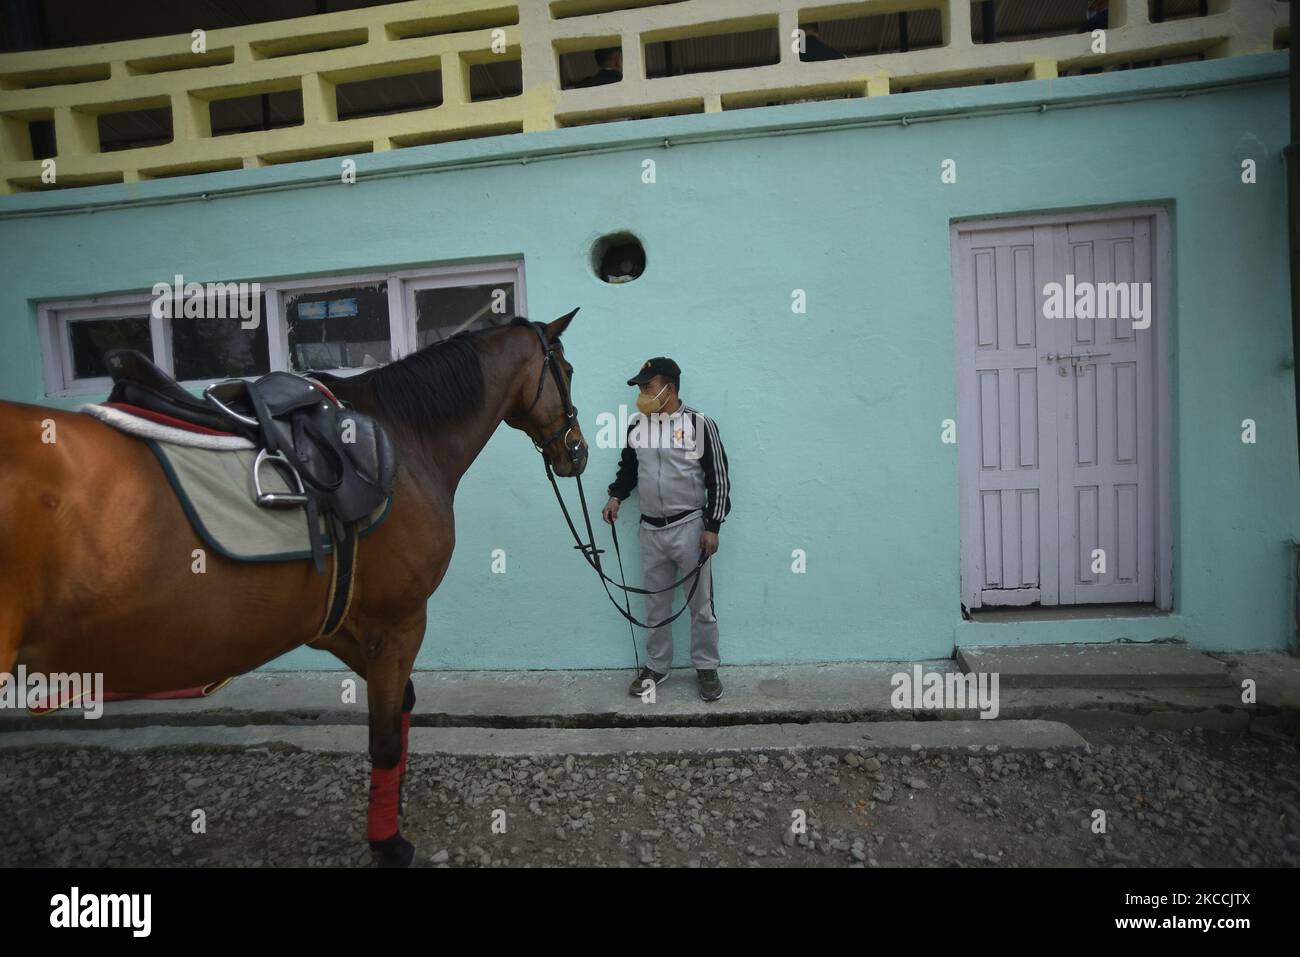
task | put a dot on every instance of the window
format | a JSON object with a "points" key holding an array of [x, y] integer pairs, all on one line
{"points": [[90, 339], [216, 348], [335, 324], [195, 348], [356, 322], [338, 327], [441, 310], [618, 257]]}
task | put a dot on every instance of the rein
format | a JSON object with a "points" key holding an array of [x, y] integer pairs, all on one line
{"points": [[590, 553]]}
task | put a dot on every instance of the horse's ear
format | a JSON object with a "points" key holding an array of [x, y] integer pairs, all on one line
{"points": [[556, 328]]}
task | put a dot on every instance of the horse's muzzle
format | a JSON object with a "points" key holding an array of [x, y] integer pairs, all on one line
{"points": [[573, 462]]}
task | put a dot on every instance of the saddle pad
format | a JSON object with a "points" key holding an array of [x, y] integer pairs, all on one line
{"points": [[181, 433], [216, 490]]}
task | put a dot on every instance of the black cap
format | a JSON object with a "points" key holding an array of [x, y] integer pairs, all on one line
{"points": [[659, 365]]}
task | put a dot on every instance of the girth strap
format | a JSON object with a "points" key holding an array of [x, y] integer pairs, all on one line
{"points": [[342, 580]]}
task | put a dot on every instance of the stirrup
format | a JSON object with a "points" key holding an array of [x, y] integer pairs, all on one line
{"points": [[288, 499], [225, 409]]}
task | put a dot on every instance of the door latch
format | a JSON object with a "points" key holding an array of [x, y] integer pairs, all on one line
{"points": [[1075, 357]]}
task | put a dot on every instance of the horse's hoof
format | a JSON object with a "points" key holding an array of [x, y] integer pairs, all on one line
{"points": [[395, 851]]}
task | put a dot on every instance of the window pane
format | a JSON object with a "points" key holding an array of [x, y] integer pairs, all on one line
{"points": [[344, 328], [441, 313], [217, 348], [91, 338]]}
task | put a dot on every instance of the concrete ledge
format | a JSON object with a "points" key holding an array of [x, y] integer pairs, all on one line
{"points": [[1147, 666], [528, 742], [767, 694], [505, 698]]}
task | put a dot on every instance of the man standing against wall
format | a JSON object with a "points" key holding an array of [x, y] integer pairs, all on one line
{"points": [[674, 456]]}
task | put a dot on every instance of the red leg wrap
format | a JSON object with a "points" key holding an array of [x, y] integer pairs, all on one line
{"points": [[381, 819]]}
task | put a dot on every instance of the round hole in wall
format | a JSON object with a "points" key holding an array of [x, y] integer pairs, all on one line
{"points": [[618, 258]]}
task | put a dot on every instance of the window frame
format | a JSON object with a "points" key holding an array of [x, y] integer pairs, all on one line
{"points": [[56, 341], [499, 273], [55, 316]]}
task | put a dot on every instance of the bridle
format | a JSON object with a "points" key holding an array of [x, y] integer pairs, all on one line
{"points": [[588, 548], [570, 424]]}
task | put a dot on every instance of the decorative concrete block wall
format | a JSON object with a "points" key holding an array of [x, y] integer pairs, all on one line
{"points": [[71, 88]]}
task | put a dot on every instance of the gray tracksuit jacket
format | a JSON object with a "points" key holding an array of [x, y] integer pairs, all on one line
{"points": [[678, 464]]}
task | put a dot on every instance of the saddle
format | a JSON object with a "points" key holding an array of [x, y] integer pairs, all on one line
{"points": [[339, 464]]}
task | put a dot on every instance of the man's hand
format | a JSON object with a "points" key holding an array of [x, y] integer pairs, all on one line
{"points": [[610, 512], [708, 544]]}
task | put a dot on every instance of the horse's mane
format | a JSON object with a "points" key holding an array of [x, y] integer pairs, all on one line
{"points": [[438, 384]]}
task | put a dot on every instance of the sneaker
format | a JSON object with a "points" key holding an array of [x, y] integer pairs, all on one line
{"points": [[710, 686], [638, 686]]}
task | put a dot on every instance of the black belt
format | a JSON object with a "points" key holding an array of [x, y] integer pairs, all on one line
{"points": [[668, 520]]}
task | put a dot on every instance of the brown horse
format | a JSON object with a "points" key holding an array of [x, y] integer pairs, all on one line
{"points": [[96, 565]]}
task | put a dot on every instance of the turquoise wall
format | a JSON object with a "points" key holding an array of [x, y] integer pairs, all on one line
{"points": [[831, 419]]}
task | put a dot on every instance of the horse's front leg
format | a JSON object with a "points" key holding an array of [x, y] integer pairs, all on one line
{"points": [[391, 696]]}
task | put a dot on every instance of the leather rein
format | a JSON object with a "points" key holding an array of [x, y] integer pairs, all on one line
{"points": [[588, 549]]}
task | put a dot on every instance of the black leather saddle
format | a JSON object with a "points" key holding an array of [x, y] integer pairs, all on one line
{"points": [[340, 464]]}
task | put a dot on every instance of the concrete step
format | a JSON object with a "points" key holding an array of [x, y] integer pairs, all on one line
{"points": [[516, 698], [965, 736], [1146, 666], [755, 694]]}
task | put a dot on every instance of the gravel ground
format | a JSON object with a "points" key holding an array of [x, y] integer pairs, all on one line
{"points": [[1171, 798]]}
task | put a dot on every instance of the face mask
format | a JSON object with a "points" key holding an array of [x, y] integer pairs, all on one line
{"points": [[650, 404]]}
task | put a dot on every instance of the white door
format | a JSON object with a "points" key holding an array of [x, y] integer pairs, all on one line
{"points": [[1056, 419]]}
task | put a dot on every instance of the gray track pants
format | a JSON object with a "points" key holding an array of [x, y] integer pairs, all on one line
{"points": [[666, 555]]}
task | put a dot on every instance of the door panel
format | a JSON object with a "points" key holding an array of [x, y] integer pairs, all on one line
{"points": [[1106, 466], [1002, 411]]}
